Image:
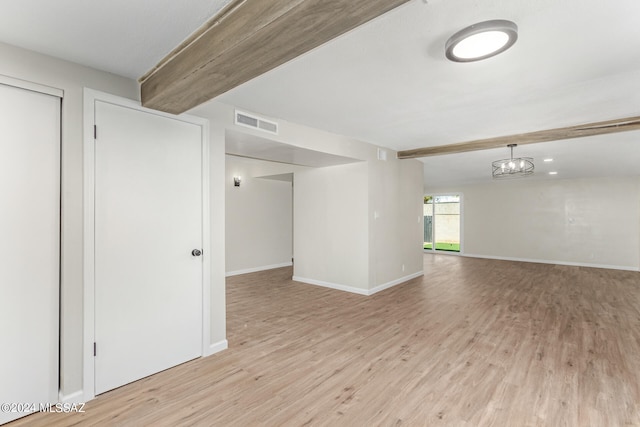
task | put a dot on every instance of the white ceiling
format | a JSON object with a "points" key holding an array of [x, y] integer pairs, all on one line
{"points": [[124, 37], [388, 82]]}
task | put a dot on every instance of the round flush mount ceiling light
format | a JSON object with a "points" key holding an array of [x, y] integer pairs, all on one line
{"points": [[481, 41]]}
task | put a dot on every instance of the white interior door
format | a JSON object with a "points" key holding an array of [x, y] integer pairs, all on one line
{"points": [[148, 220], [29, 248]]}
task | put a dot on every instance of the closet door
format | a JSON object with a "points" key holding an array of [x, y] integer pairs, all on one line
{"points": [[29, 249]]}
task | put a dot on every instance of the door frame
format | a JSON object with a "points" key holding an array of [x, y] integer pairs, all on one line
{"points": [[90, 98], [433, 234], [34, 87]]}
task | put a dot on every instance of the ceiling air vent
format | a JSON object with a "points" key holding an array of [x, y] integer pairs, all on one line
{"points": [[255, 122]]}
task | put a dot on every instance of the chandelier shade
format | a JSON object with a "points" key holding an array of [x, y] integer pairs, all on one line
{"points": [[512, 167]]}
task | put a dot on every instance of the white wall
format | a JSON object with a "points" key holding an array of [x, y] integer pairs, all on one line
{"points": [[396, 226], [331, 236], [217, 236], [591, 221], [259, 215]]}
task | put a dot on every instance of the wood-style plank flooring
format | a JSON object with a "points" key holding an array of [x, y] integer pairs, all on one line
{"points": [[472, 343]]}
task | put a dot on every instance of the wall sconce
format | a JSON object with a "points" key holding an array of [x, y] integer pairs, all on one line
{"points": [[236, 181]]}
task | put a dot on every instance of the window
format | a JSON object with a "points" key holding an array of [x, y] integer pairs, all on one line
{"points": [[442, 222]]}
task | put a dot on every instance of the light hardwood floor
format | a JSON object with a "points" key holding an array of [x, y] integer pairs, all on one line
{"points": [[472, 343]]}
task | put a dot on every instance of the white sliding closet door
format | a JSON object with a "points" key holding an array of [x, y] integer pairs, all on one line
{"points": [[29, 248]]}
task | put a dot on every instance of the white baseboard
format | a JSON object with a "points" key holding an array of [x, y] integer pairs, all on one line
{"points": [[78, 396], [452, 253], [545, 261], [324, 284], [255, 269], [355, 290], [216, 347], [75, 397], [395, 282]]}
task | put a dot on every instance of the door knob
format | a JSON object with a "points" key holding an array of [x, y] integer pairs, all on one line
{"points": [[196, 252]]}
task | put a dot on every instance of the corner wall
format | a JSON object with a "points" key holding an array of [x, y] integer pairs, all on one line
{"points": [[259, 216], [331, 237], [335, 241], [396, 221]]}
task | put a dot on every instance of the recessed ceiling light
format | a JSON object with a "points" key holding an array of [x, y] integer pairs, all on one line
{"points": [[548, 160], [482, 40], [553, 173]]}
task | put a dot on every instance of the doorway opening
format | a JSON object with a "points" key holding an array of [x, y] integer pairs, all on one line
{"points": [[442, 220]]}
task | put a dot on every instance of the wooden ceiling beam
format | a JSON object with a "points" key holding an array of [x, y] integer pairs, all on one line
{"points": [[589, 129], [246, 39]]}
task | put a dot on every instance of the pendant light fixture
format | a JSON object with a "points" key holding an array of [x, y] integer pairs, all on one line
{"points": [[481, 41], [513, 166]]}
